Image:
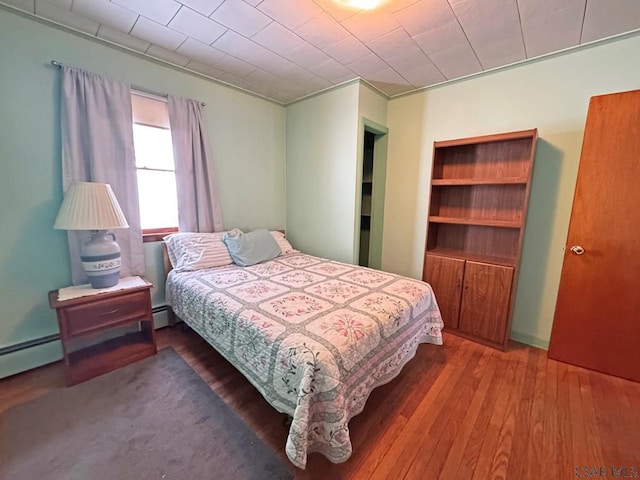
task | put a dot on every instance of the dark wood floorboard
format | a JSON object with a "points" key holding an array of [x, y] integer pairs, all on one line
{"points": [[458, 411]]}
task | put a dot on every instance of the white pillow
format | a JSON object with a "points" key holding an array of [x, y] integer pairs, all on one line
{"points": [[194, 251], [283, 243]]}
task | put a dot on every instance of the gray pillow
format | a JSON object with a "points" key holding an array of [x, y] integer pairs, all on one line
{"points": [[251, 248]]}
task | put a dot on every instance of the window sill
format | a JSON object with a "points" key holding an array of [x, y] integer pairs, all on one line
{"points": [[157, 234]]}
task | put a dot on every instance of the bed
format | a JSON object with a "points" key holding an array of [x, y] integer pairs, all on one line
{"points": [[314, 336]]}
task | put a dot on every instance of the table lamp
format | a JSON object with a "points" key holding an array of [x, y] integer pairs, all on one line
{"points": [[93, 207]]}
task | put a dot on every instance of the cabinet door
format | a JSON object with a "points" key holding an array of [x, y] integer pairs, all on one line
{"points": [[485, 300], [445, 277]]}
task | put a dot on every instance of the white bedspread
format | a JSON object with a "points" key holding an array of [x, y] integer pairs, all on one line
{"points": [[314, 336]]}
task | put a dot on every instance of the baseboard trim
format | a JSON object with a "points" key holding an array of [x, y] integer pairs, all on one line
{"points": [[23, 356], [35, 342], [530, 340], [28, 358], [16, 347]]}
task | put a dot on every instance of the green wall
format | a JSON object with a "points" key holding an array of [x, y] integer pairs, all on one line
{"points": [[246, 135], [551, 94], [322, 134], [372, 105], [324, 138]]}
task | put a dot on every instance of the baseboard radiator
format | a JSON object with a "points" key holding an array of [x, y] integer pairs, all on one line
{"points": [[36, 342]]}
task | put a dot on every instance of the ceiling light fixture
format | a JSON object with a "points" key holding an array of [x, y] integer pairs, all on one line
{"points": [[361, 4]]}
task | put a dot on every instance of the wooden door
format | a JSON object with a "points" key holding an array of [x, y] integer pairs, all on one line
{"points": [[597, 317], [445, 277], [485, 303]]}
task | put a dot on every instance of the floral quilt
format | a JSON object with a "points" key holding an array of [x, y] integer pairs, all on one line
{"points": [[314, 336]]}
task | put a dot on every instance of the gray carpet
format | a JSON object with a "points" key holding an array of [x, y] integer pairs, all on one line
{"points": [[155, 419]]}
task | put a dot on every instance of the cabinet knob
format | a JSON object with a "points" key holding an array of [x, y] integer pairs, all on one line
{"points": [[577, 249]]}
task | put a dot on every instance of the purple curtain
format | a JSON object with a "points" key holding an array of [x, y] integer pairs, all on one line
{"points": [[198, 205], [97, 146]]}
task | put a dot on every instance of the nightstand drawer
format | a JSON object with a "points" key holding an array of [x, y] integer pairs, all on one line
{"points": [[95, 315]]}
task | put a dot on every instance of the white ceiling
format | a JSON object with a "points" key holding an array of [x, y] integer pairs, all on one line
{"points": [[287, 49]]}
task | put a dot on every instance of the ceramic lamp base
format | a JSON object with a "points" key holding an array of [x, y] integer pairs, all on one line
{"points": [[101, 259]]}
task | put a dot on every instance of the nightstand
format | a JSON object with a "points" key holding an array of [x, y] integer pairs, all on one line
{"points": [[111, 312]]}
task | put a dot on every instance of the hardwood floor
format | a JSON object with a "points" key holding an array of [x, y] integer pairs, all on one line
{"points": [[459, 411]]}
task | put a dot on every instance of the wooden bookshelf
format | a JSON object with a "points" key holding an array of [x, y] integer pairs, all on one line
{"points": [[477, 212]]}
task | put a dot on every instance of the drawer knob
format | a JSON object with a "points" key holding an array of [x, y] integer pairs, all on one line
{"points": [[110, 312]]}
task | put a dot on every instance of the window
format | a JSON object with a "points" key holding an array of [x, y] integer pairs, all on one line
{"points": [[155, 167]]}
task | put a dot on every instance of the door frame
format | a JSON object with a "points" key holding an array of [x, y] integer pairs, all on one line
{"points": [[377, 193]]}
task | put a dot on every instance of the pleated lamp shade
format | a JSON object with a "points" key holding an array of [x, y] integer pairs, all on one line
{"points": [[90, 206], [93, 206]]}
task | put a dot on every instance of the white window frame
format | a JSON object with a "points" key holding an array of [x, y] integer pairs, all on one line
{"points": [[148, 112]]}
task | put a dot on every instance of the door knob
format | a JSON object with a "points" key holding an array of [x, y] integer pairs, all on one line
{"points": [[577, 249]]}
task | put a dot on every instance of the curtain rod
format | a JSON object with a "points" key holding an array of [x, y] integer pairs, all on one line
{"points": [[58, 64]]}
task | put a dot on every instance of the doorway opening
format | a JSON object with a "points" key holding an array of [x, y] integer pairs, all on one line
{"points": [[372, 188]]}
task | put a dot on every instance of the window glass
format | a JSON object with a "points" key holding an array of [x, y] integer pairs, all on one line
{"points": [[153, 147], [158, 199], [154, 164]]}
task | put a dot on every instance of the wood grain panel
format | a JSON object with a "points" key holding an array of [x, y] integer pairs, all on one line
{"points": [[484, 160], [477, 221], [488, 202], [485, 300], [445, 252], [445, 277], [478, 240], [83, 318], [479, 181], [478, 207], [596, 320]]}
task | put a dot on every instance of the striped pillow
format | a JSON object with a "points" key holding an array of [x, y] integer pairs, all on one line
{"points": [[283, 243], [194, 251]]}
